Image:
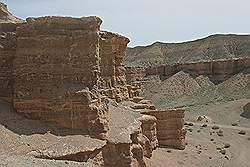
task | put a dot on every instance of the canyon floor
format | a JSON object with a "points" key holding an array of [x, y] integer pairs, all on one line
{"points": [[204, 144], [205, 139], [215, 115]]}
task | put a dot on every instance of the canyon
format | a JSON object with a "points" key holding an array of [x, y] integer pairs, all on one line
{"points": [[72, 94], [65, 78]]}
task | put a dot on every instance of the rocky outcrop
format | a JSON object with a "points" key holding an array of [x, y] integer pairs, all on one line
{"points": [[170, 128], [126, 143], [149, 130], [117, 155], [7, 54], [66, 72], [135, 74], [8, 24], [73, 148], [113, 79], [56, 72], [217, 70], [6, 16], [128, 154]]}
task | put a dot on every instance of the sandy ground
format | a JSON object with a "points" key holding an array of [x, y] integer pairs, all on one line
{"points": [[203, 149], [204, 144], [19, 137]]}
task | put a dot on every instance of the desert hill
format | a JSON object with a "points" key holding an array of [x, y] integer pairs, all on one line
{"points": [[6, 16], [210, 48]]}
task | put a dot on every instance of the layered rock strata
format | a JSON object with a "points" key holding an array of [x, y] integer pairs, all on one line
{"points": [[113, 78], [7, 54], [8, 24], [135, 74], [217, 70], [56, 72], [170, 128], [127, 145]]}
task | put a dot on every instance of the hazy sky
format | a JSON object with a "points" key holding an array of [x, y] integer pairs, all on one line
{"points": [[147, 21]]}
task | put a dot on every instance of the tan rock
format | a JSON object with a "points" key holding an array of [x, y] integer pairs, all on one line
{"points": [[170, 127]]}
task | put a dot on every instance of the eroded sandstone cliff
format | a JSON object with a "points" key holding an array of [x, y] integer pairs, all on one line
{"points": [[170, 127], [64, 71], [8, 24], [217, 70], [113, 78], [54, 79]]}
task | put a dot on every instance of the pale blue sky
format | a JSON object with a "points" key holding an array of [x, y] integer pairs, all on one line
{"points": [[147, 21]]}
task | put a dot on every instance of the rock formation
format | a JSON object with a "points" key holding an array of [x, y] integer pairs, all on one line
{"points": [[134, 75], [8, 25], [66, 72], [217, 70], [6, 16], [55, 80], [149, 129], [170, 127], [113, 78]]}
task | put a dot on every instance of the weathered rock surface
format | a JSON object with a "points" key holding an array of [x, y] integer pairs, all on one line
{"points": [[170, 128], [246, 113], [149, 130], [8, 24], [64, 71], [113, 78], [73, 148], [217, 70], [135, 74], [127, 144], [54, 80]]}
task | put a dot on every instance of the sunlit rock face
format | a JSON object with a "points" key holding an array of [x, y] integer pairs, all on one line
{"points": [[113, 78], [56, 72]]}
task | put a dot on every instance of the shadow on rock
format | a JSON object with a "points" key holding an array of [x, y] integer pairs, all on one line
{"points": [[246, 113], [22, 126]]}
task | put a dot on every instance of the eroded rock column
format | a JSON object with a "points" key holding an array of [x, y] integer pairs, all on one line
{"points": [[170, 128], [113, 77]]}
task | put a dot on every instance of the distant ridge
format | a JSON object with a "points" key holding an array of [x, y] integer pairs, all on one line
{"points": [[213, 47]]}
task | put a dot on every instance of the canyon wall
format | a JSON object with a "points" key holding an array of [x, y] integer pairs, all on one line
{"points": [[56, 72], [170, 128], [7, 54], [112, 72], [214, 47], [134, 74], [8, 24], [64, 70], [217, 70]]}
